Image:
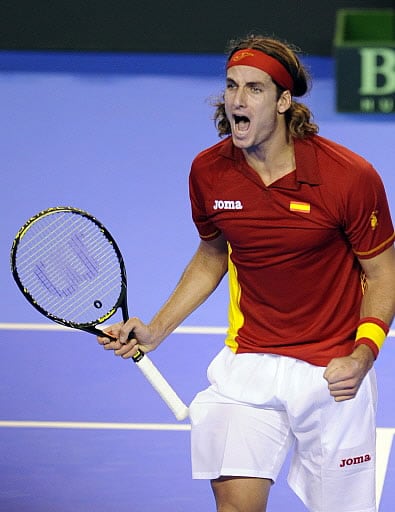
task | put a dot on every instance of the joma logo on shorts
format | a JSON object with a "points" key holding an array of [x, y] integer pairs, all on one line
{"points": [[224, 204], [355, 460]]}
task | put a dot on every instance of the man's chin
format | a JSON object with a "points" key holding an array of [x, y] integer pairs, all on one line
{"points": [[241, 142]]}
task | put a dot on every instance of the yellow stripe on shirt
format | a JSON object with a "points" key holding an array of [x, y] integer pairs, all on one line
{"points": [[376, 249], [235, 315]]}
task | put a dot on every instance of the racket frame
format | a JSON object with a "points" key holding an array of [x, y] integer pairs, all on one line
{"points": [[179, 409], [89, 327]]}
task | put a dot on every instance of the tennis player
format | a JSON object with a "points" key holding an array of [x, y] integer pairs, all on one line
{"points": [[302, 227]]}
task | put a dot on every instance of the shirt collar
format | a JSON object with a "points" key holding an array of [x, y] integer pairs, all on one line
{"points": [[307, 165]]}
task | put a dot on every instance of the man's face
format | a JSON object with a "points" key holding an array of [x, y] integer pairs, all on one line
{"points": [[251, 106]]}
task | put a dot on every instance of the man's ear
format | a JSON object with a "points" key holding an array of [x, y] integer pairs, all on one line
{"points": [[284, 102]]}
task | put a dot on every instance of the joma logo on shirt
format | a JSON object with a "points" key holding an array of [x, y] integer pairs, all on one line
{"points": [[224, 204], [355, 460]]}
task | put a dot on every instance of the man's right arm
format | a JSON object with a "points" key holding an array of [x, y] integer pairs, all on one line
{"points": [[198, 281]]}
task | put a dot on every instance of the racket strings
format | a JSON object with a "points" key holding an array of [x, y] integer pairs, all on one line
{"points": [[69, 267]]}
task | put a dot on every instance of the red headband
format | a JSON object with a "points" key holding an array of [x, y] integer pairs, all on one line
{"points": [[262, 61]]}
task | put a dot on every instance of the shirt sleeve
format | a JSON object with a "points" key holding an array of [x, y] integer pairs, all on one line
{"points": [[198, 184], [368, 223]]}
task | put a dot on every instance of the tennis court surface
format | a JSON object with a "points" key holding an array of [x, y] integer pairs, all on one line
{"points": [[81, 430]]}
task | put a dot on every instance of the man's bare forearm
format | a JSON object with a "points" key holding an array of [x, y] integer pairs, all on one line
{"points": [[198, 281]]}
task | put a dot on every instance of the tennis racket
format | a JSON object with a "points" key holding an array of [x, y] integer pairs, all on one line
{"points": [[69, 267]]}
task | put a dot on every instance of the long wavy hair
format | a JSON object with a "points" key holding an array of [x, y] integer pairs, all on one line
{"points": [[298, 117]]}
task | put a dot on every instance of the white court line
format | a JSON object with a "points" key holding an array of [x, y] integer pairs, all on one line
{"points": [[77, 425], [10, 326], [57, 327], [383, 448]]}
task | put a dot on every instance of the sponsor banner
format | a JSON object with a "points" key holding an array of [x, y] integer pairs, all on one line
{"points": [[365, 79], [365, 60]]}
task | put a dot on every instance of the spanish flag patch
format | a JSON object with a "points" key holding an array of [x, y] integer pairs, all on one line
{"points": [[295, 206]]}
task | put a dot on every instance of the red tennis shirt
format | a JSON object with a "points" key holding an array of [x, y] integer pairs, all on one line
{"points": [[295, 281]]}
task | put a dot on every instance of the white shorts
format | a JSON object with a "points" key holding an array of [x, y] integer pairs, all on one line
{"points": [[259, 405]]}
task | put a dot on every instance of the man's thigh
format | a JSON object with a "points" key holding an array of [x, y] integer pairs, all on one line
{"points": [[238, 494]]}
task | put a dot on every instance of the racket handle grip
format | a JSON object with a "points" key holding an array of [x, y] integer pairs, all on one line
{"points": [[163, 388]]}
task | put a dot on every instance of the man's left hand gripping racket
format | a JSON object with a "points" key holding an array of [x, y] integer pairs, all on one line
{"points": [[69, 267]]}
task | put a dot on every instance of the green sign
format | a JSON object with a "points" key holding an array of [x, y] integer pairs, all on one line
{"points": [[365, 65]]}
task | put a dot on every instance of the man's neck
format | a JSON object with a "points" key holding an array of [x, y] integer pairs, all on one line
{"points": [[271, 161]]}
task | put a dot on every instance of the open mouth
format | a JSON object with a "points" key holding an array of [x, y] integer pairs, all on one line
{"points": [[242, 123]]}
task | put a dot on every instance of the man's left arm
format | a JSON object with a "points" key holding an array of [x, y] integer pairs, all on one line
{"points": [[345, 374]]}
